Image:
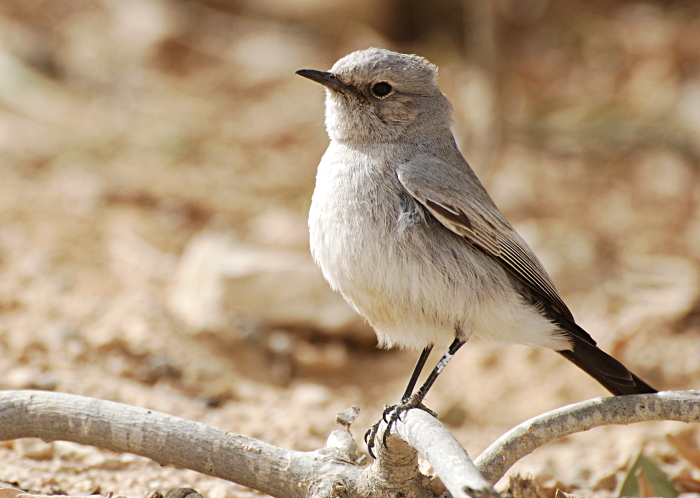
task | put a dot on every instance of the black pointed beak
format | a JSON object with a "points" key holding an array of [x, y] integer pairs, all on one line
{"points": [[325, 78]]}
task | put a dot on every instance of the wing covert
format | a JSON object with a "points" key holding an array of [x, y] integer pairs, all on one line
{"points": [[456, 198]]}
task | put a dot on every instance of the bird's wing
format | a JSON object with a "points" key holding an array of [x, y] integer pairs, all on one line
{"points": [[456, 198]]}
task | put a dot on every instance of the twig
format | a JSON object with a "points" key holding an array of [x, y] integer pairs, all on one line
{"points": [[681, 406]]}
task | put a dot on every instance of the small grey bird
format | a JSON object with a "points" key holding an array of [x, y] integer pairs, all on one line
{"points": [[402, 227]]}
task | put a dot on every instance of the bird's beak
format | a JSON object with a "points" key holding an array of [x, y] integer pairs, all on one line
{"points": [[326, 78]]}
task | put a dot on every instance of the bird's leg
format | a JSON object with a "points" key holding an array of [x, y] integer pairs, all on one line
{"points": [[372, 431], [415, 400], [416, 372]]}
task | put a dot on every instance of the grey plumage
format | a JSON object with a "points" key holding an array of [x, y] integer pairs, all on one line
{"points": [[402, 227]]}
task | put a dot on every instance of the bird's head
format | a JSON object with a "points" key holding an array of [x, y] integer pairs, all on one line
{"points": [[376, 95]]}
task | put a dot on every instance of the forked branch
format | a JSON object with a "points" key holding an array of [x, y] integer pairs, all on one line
{"points": [[329, 472]]}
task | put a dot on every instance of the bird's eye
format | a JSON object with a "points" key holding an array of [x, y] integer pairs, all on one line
{"points": [[381, 89]]}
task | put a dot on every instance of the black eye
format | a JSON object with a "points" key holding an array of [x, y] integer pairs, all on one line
{"points": [[381, 89]]}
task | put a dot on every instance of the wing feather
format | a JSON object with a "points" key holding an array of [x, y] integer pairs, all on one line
{"points": [[457, 199]]}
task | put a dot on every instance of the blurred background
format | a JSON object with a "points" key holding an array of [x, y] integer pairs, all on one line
{"points": [[157, 159]]}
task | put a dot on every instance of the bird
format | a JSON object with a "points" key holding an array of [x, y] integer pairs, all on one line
{"points": [[401, 226]]}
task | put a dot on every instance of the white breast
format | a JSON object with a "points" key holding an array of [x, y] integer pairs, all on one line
{"points": [[401, 279]]}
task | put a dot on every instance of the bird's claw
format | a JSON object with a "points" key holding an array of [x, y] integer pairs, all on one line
{"points": [[370, 435], [390, 415], [387, 409]]}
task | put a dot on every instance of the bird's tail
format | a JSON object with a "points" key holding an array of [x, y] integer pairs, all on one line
{"points": [[612, 374]]}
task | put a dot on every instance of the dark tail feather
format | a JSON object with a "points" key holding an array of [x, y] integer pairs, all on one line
{"points": [[612, 374]]}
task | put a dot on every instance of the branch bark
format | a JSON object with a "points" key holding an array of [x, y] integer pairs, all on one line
{"points": [[425, 434], [162, 438], [330, 472], [681, 406]]}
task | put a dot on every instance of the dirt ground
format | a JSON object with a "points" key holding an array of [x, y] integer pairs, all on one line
{"points": [[130, 128]]}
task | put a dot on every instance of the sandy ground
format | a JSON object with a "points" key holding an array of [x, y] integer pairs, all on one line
{"points": [[129, 129]]}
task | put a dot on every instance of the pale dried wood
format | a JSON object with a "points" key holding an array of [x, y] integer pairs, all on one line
{"points": [[681, 406]]}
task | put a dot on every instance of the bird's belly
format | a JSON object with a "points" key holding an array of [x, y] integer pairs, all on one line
{"points": [[397, 280], [415, 292]]}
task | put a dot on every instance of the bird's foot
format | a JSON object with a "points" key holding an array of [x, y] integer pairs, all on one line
{"points": [[391, 414]]}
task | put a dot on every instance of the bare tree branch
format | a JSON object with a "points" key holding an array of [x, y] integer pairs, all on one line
{"points": [[449, 459], [332, 471], [329, 472], [162, 438], [682, 406]]}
